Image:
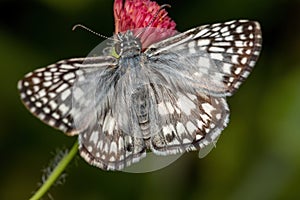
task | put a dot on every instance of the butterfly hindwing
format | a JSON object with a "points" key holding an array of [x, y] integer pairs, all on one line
{"points": [[190, 122], [106, 146]]}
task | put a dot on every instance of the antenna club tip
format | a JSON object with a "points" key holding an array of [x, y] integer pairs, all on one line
{"points": [[165, 5], [75, 26]]}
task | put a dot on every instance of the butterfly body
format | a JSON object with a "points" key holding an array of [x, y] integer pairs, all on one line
{"points": [[169, 97]]}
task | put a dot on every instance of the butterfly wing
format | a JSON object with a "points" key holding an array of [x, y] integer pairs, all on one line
{"points": [[213, 59], [46, 92], [191, 122], [199, 68], [106, 146], [186, 79], [74, 96], [49, 92]]}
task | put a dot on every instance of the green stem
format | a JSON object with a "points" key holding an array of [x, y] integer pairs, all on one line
{"points": [[56, 172]]}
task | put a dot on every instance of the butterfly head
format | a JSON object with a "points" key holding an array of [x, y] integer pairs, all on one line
{"points": [[128, 45]]}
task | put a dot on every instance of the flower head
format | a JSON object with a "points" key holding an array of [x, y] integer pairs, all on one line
{"points": [[137, 14]]}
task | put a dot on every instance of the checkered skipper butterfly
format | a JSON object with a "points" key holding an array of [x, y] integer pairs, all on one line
{"points": [[168, 98]]}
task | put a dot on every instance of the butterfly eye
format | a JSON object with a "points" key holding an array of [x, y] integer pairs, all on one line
{"points": [[118, 48]]}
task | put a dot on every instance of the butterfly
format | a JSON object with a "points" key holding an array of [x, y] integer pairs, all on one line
{"points": [[168, 98]]}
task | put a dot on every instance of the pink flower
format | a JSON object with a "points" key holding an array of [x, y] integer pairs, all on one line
{"points": [[135, 14]]}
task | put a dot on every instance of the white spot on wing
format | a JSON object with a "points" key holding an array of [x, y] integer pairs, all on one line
{"points": [[191, 46], [55, 115], [180, 128], [239, 29], [185, 104], [191, 127], [239, 43], [200, 33], [229, 38], [62, 87], [29, 92], [203, 42], [252, 63], [36, 80], [38, 104], [224, 29], [94, 137], [52, 105], [113, 147], [245, 74], [200, 124], [46, 110], [30, 73], [65, 94], [42, 116], [121, 143], [226, 44], [216, 56], [105, 148], [198, 137], [170, 107], [217, 28], [51, 122], [227, 68], [205, 118], [41, 93], [47, 84], [90, 148], [63, 108], [234, 59], [167, 129], [109, 124], [69, 76], [238, 70], [208, 108], [216, 49]]}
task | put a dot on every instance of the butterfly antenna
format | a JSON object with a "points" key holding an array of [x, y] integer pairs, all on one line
{"points": [[155, 17], [91, 31], [157, 13]]}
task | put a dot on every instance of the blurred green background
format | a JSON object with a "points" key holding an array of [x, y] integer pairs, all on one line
{"points": [[257, 156]]}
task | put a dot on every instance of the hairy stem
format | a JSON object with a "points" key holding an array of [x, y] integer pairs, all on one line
{"points": [[63, 163]]}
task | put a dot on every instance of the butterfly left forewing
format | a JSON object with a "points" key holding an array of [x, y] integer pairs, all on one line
{"points": [[47, 93], [53, 93]]}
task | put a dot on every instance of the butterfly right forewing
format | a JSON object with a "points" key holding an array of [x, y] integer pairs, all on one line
{"points": [[215, 58]]}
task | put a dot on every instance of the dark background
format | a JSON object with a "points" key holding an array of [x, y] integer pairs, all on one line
{"points": [[257, 156]]}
